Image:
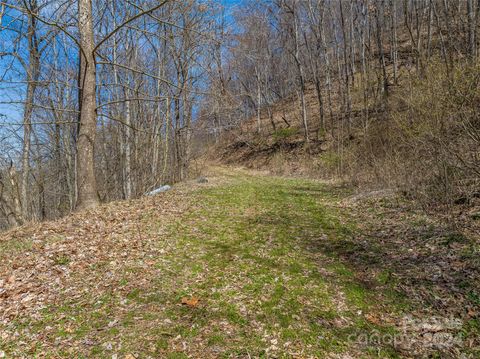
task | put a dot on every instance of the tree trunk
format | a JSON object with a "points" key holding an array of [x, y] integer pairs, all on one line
{"points": [[471, 29], [301, 77], [381, 56], [167, 131], [393, 10], [348, 100], [86, 182], [128, 152], [33, 73], [17, 209], [259, 99]]}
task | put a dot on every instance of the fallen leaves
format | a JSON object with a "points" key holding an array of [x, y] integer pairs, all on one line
{"points": [[191, 302], [108, 261], [77, 259], [373, 319]]}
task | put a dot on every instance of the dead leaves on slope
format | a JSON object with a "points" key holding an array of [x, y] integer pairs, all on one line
{"points": [[80, 258]]}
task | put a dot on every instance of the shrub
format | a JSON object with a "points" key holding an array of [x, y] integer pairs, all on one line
{"points": [[284, 133], [429, 143]]}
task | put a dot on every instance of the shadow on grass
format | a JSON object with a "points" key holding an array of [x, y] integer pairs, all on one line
{"points": [[435, 267]]}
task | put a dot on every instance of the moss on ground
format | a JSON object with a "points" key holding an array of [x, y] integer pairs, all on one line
{"points": [[249, 251]]}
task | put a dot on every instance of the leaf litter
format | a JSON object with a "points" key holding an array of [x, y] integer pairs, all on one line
{"points": [[117, 281]]}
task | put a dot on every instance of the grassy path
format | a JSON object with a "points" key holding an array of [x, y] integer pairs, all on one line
{"points": [[233, 269], [248, 251]]}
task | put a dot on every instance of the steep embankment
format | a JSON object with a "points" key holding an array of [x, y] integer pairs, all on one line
{"points": [[421, 139], [276, 142], [247, 265]]}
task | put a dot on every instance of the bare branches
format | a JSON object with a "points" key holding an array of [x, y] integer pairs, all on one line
{"points": [[126, 22], [60, 26], [124, 100], [144, 73]]}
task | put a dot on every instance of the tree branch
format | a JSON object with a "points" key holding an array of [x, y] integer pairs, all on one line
{"points": [[119, 27]]}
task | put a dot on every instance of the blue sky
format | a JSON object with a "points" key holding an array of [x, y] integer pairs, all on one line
{"points": [[12, 113]]}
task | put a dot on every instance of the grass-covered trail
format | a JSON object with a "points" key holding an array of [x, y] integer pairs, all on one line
{"points": [[242, 267]]}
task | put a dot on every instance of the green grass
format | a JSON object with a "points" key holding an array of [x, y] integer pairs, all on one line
{"points": [[249, 249], [9, 248], [284, 133]]}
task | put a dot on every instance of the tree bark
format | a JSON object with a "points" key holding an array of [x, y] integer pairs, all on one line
{"points": [[17, 209], [259, 99], [348, 100], [87, 187], [393, 11], [128, 152], [301, 75], [33, 73], [471, 29], [381, 56]]}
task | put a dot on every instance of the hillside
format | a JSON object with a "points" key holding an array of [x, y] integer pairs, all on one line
{"points": [[421, 140], [281, 150], [247, 265]]}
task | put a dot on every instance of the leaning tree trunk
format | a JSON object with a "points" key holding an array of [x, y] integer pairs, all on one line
{"points": [[87, 187]]}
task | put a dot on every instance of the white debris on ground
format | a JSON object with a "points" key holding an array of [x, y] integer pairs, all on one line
{"points": [[202, 179], [159, 190]]}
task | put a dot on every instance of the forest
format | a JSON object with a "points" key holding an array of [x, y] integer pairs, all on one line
{"points": [[343, 136], [104, 101]]}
